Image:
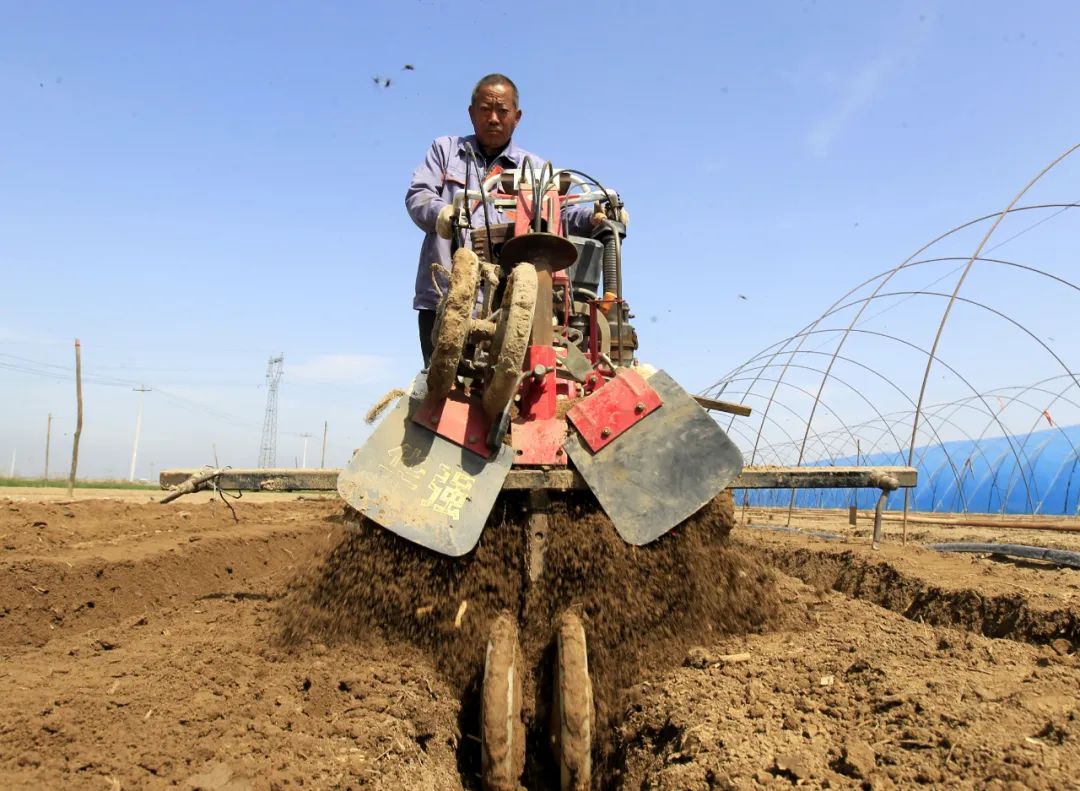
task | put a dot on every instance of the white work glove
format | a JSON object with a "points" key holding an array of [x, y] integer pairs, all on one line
{"points": [[600, 215], [444, 223]]}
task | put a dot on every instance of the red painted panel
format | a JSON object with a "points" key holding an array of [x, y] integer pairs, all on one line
{"points": [[458, 419], [536, 434], [539, 442], [550, 200], [611, 410], [538, 394]]}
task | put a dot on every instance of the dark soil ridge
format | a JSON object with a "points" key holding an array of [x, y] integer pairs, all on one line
{"points": [[43, 597], [1007, 616], [642, 607]]}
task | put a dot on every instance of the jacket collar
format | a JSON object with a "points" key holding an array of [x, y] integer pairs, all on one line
{"points": [[511, 152]]}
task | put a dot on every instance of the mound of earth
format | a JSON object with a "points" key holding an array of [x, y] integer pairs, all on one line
{"points": [[642, 606]]}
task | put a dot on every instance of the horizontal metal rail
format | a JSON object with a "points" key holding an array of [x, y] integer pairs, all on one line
{"points": [[319, 480]]}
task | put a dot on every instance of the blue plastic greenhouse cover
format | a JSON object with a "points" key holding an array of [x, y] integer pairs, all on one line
{"points": [[1034, 474]]}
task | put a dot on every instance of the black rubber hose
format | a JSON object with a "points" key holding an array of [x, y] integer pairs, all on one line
{"points": [[783, 529], [611, 264], [1061, 557]]}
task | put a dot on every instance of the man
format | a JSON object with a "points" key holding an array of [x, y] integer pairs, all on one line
{"points": [[495, 112]]}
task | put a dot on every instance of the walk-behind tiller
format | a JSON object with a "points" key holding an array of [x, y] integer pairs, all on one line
{"points": [[534, 376]]}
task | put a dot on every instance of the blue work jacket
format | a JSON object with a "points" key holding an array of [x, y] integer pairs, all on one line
{"points": [[434, 184]]}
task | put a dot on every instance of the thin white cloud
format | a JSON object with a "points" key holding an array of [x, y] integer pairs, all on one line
{"points": [[859, 92], [866, 84]]}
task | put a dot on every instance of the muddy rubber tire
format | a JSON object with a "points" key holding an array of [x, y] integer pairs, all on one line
{"points": [[502, 732], [572, 713], [511, 339], [452, 323]]}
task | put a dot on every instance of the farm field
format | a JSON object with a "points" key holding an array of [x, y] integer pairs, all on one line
{"points": [[151, 646]]}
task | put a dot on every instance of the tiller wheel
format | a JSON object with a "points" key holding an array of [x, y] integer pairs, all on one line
{"points": [[502, 732], [452, 320], [511, 339], [572, 715]]}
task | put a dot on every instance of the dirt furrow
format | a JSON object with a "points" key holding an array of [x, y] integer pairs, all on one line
{"points": [[930, 594]]}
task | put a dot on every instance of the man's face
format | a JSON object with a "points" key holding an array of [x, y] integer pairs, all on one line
{"points": [[494, 116]]}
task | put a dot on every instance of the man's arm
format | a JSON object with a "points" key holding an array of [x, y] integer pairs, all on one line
{"points": [[424, 198], [578, 219]]}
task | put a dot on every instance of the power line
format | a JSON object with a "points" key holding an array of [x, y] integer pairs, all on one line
{"points": [[62, 373]]}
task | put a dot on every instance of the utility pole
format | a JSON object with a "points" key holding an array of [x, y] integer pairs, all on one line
{"points": [[322, 460], [12, 473], [142, 391], [78, 420], [303, 464], [48, 439]]}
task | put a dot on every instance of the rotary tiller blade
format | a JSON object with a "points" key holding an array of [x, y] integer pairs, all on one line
{"points": [[421, 486], [662, 469]]}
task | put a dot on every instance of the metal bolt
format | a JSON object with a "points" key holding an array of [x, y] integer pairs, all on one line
{"points": [[434, 420], [471, 439], [558, 451], [605, 433], [639, 407]]}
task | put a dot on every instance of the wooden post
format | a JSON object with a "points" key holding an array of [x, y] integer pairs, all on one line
{"points": [[322, 460], [78, 420], [48, 439], [853, 509]]}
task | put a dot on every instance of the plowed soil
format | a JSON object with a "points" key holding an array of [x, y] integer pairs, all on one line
{"points": [[150, 646]]}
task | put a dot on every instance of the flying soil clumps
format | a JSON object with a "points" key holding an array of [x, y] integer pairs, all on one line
{"points": [[642, 606]]}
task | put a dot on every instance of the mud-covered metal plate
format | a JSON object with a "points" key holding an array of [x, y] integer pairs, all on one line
{"points": [[421, 486], [661, 470]]}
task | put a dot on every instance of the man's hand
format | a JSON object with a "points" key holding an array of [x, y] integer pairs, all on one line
{"points": [[444, 223], [599, 215]]}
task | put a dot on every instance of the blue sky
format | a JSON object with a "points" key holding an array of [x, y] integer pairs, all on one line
{"points": [[191, 188]]}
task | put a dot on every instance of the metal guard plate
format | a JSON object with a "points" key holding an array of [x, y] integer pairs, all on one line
{"points": [[458, 419], [614, 408], [661, 470], [423, 487]]}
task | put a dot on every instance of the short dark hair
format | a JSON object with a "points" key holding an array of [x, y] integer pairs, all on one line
{"points": [[495, 79]]}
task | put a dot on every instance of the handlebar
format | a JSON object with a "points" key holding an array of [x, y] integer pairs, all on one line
{"points": [[512, 179]]}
